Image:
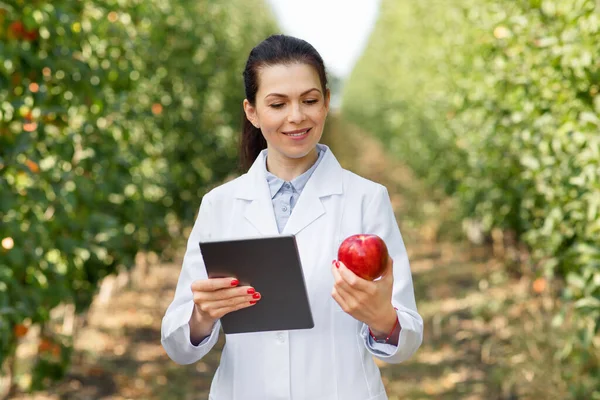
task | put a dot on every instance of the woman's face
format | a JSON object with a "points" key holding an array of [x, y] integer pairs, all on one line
{"points": [[290, 109]]}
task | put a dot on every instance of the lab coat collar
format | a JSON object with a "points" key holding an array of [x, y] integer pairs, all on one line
{"points": [[325, 181]]}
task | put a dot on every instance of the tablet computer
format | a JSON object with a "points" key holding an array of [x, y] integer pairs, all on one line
{"points": [[272, 266]]}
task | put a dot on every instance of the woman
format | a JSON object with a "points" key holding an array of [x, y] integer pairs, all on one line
{"points": [[296, 186]]}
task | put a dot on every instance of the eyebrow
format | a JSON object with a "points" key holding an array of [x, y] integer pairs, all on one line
{"points": [[283, 95]]}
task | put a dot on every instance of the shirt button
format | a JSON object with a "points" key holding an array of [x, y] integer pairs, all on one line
{"points": [[284, 208], [280, 338]]}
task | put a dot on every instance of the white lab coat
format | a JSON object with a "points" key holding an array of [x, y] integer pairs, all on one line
{"points": [[332, 360]]}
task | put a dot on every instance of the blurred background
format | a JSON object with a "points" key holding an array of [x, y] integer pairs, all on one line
{"points": [[481, 117]]}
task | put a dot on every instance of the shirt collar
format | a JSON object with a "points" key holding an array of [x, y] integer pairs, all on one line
{"points": [[298, 183]]}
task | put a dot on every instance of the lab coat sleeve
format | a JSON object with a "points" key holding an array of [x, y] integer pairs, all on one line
{"points": [[379, 219], [175, 330]]}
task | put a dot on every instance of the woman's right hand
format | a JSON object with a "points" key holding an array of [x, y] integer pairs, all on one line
{"points": [[215, 297]]}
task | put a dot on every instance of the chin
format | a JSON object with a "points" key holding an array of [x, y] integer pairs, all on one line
{"points": [[298, 153]]}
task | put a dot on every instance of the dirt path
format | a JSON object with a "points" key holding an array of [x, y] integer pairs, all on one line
{"points": [[458, 288]]}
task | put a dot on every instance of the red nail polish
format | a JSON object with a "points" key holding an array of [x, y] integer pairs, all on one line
{"points": [[251, 291], [256, 296], [234, 282], [252, 301], [337, 264]]}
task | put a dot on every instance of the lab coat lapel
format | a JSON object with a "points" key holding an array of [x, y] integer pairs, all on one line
{"points": [[326, 180], [260, 214], [254, 187]]}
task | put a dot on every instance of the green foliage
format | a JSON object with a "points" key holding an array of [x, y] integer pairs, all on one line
{"points": [[115, 118], [497, 103]]}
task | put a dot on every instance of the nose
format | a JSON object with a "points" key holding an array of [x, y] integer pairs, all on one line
{"points": [[296, 115]]}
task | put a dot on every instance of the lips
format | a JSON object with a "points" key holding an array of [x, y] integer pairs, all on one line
{"points": [[297, 133]]}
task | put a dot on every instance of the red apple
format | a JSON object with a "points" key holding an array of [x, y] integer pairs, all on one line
{"points": [[18, 31], [31, 35], [365, 255]]}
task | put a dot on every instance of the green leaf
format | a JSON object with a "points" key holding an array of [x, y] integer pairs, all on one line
{"points": [[576, 281], [590, 302]]}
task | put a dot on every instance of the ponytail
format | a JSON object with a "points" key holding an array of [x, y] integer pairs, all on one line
{"points": [[252, 143]]}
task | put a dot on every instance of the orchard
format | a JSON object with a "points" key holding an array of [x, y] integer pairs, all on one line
{"points": [[496, 105], [115, 118]]}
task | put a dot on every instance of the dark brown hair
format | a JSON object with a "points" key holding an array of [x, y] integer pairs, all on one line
{"points": [[274, 50]]}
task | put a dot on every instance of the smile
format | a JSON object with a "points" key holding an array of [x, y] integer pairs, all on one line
{"points": [[297, 133]]}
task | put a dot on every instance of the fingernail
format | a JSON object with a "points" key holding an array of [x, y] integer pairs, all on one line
{"points": [[256, 296], [234, 282], [252, 301], [251, 291], [333, 262], [337, 264]]}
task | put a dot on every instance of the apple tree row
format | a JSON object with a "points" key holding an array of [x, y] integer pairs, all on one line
{"points": [[497, 104], [115, 117]]}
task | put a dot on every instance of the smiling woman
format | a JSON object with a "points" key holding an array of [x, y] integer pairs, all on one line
{"points": [[295, 186]]}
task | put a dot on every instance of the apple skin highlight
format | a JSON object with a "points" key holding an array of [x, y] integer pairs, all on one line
{"points": [[364, 254]]}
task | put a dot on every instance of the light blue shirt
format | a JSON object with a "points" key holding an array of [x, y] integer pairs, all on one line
{"points": [[285, 194]]}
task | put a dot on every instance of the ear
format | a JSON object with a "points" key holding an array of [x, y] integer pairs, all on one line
{"points": [[250, 111], [327, 99]]}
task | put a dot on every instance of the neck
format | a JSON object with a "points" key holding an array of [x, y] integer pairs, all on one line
{"points": [[290, 168]]}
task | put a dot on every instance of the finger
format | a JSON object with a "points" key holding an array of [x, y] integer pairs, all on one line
{"points": [[346, 288], [234, 301], [216, 309], [212, 284], [339, 298], [356, 299], [339, 282], [348, 296], [351, 279], [223, 294], [239, 306]]}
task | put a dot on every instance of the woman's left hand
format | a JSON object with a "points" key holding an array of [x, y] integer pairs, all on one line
{"points": [[367, 301]]}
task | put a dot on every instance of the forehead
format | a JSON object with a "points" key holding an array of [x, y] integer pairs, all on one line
{"points": [[287, 79]]}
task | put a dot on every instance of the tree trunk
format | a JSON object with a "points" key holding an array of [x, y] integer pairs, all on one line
{"points": [[7, 383]]}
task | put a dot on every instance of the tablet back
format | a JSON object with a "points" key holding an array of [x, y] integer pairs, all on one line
{"points": [[272, 266]]}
